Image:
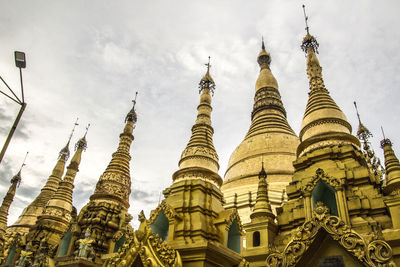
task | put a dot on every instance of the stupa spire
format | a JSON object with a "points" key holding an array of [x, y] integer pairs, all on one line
{"points": [[270, 137], [374, 162], [269, 114], [200, 151], [54, 179], [65, 150], [56, 216], [111, 195], [362, 133], [115, 183], [29, 215], [65, 188], [392, 166], [8, 199], [262, 208], [323, 118]]}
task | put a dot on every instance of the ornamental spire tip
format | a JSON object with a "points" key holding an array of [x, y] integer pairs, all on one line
{"points": [[131, 116], [65, 150], [264, 58], [23, 163], [134, 100], [383, 133], [73, 129], [17, 177], [262, 43], [207, 81], [82, 142], [309, 41], [385, 141], [306, 19], [358, 115], [87, 129], [362, 133], [262, 173]]}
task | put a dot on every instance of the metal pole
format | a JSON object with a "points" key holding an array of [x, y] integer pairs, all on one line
{"points": [[22, 86], [3, 151], [20, 102]]}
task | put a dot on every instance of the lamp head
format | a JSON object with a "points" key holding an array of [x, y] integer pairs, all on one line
{"points": [[20, 60]]}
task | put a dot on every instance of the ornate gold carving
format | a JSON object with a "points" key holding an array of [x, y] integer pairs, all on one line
{"points": [[150, 249], [85, 250], [114, 184], [320, 175], [267, 97], [26, 257], [325, 121], [200, 151], [197, 174], [234, 215], [168, 211], [107, 221], [375, 253]]}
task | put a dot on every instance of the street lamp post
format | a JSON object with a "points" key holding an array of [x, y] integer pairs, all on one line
{"points": [[20, 62]]}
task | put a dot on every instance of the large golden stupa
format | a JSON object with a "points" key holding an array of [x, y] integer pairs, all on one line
{"points": [[270, 139]]}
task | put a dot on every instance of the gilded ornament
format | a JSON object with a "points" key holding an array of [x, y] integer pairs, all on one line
{"points": [[376, 253]]}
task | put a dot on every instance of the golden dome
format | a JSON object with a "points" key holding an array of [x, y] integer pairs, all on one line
{"points": [[278, 150]]}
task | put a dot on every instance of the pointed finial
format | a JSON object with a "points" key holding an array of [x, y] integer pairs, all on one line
{"points": [[383, 133], [306, 19], [208, 64], [73, 129], [131, 116], [362, 133], [207, 81], [87, 129], [17, 177], [262, 43], [358, 115], [262, 173], [65, 150], [309, 40], [134, 100], [82, 142], [264, 58], [385, 141], [23, 163]]}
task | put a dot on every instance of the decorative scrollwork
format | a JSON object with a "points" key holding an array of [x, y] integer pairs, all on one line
{"points": [[321, 175], [234, 216], [150, 249], [168, 211], [375, 253]]}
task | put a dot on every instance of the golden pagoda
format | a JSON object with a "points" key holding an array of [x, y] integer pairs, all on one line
{"points": [[270, 139], [102, 226], [4, 209], [336, 213], [30, 214], [191, 219], [342, 206]]}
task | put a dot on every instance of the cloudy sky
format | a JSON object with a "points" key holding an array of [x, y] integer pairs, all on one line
{"points": [[87, 58]]}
